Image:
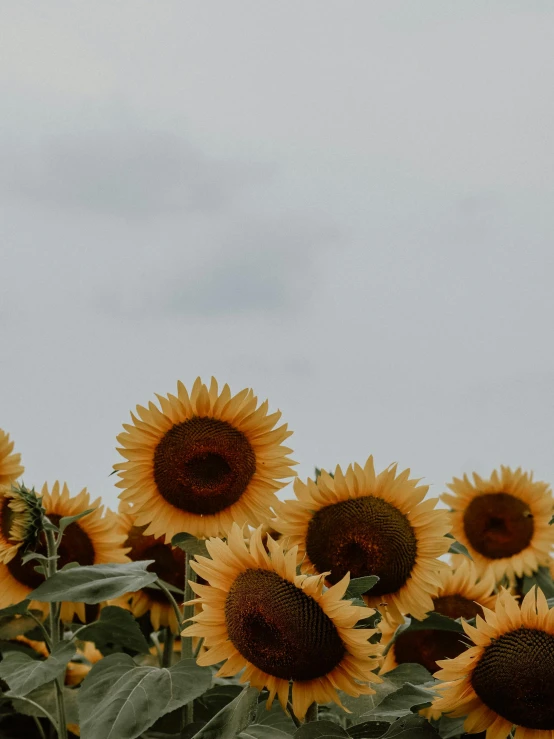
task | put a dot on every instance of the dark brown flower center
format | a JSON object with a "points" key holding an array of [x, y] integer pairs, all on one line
{"points": [[498, 525], [363, 536], [75, 546], [280, 629], [203, 465], [6, 518], [429, 645], [514, 678], [169, 562]]}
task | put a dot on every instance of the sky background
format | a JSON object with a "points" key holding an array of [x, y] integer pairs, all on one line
{"points": [[347, 206]]}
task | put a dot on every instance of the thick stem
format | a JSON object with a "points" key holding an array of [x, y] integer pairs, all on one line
{"points": [[187, 651], [173, 602], [54, 623], [168, 647], [293, 715], [311, 713]]}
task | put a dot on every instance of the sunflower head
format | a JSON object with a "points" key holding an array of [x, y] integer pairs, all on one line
{"points": [[505, 680], [461, 595], [93, 539], [202, 461], [503, 521], [10, 463], [260, 617], [367, 524], [21, 519], [169, 565]]}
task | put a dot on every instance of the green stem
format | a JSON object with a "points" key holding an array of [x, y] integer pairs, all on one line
{"points": [[43, 629], [293, 715], [311, 713], [168, 647], [39, 728], [159, 652], [172, 601], [186, 641], [54, 623]]}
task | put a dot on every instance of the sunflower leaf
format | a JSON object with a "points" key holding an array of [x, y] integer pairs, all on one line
{"points": [[542, 579], [12, 626], [115, 630], [23, 674], [411, 727], [233, 718], [190, 544], [20, 607], [259, 731], [360, 585], [95, 583], [66, 521], [45, 697], [321, 730], [368, 730], [458, 548], [120, 700], [449, 728], [402, 702]]}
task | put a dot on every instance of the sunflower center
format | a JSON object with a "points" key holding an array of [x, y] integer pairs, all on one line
{"points": [[75, 546], [280, 629], [363, 536], [428, 645], [203, 465], [6, 518], [498, 525], [514, 678]]}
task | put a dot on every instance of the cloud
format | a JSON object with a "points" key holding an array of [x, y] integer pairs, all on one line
{"points": [[132, 173]]}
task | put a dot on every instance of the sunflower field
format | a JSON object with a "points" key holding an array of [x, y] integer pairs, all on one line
{"points": [[208, 607]]}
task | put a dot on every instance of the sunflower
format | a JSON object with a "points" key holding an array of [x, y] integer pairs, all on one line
{"points": [[202, 462], [93, 539], [369, 524], [503, 521], [10, 464], [261, 617], [504, 680], [21, 519], [461, 595], [169, 565]]}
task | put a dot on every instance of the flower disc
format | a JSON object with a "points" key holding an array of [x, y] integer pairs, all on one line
{"points": [[261, 617], [369, 524], [93, 539], [506, 679], [10, 463], [461, 595], [363, 536], [279, 628], [503, 521], [202, 462]]}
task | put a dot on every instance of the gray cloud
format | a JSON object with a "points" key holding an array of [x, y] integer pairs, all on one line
{"points": [[124, 172]]}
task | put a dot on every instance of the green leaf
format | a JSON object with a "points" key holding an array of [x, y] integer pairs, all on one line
{"points": [[45, 696], [35, 555], [360, 585], [232, 719], [411, 727], [214, 700], [115, 630], [410, 672], [402, 701], [17, 608], [320, 730], [190, 544], [368, 730], [23, 674], [542, 579], [259, 731], [12, 626], [551, 521], [68, 520], [275, 718], [94, 583], [119, 700], [450, 727], [459, 548], [366, 704]]}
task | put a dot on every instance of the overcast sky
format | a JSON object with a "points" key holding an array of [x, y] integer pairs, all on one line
{"points": [[347, 206]]}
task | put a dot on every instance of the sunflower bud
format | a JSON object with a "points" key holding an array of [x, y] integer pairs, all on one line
{"points": [[21, 519]]}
